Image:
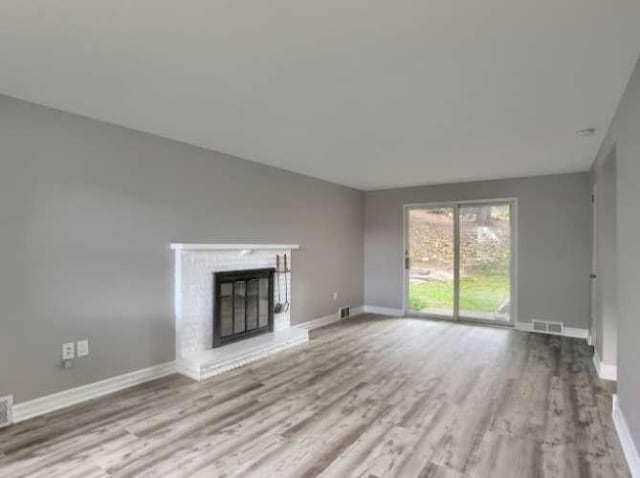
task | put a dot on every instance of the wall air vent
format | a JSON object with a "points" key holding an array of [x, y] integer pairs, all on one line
{"points": [[547, 327], [344, 312], [555, 328], [539, 326], [6, 405]]}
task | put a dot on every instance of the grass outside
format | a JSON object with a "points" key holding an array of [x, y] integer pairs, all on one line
{"points": [[481, 292]]}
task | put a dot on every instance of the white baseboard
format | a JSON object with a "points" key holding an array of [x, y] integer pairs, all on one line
{"points": [[568, 331], [628, 447], [374, 309], [357, 311], [523, 326], [328, 319], [319, 322], [56, 401], [608, 372], [605, 371], [576, 333]]}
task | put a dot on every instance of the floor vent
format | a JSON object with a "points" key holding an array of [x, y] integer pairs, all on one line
{"points": [[344, 312], [547, 327], [6, 404]]}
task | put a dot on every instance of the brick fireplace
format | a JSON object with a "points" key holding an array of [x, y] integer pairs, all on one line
{"points": [[196, 268]]}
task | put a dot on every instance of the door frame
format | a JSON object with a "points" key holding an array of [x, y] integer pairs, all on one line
{"points": [[513, 203], [593, 285]]}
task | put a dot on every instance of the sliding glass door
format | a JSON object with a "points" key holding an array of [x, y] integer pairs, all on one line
{"points": [[459, 261], [430, 261]]}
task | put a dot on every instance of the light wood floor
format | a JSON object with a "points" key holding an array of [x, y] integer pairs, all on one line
{"points": [[370, 397]]}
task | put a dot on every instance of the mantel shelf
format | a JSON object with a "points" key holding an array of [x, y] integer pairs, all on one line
{"points": [[232, 247]]}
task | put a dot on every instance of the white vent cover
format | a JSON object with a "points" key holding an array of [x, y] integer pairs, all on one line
{"points": [[547, 327], [6, 404]]}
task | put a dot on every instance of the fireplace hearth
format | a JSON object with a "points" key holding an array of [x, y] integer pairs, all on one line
{"points": [[243, 304]]}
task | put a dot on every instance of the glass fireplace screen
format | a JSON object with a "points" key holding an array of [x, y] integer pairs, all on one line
{"points": [[243, 304]]}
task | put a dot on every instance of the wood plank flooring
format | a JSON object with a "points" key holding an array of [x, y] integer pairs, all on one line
{"points": [[368, 397]]}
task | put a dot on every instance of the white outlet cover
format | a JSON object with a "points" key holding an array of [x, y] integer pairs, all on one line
{"points": [[68, 351], [83, 347]]}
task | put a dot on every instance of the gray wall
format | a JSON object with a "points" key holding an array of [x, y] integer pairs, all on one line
{"points": [[87, 212], [624, 134], [604, 314], [554, 242]]}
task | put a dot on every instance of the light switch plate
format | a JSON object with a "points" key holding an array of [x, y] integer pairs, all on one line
{"points": [[83, 347], [68, 351]]}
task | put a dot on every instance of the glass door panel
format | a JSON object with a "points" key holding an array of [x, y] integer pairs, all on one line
{"points": [[430, 256], [485, 262], [252, 304], [239, 290], [226, 309], [263, 303]]}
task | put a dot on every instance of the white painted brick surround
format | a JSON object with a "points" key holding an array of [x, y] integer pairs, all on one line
{"points": [[194, 292]]}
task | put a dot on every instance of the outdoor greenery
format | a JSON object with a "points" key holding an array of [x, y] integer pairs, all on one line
{"points": [[481, 292], [484, 241]]}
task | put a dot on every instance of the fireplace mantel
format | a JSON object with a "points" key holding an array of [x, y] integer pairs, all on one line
{"points": [[233, 247]]}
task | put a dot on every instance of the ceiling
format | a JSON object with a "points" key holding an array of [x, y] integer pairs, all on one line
{"points": [[366, 93]]}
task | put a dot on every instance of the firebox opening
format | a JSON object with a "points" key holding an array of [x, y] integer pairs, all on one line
{"points": [[243, 304]]}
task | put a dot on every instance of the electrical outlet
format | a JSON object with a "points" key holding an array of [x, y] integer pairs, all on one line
{"points": [[335, 296], [83, 347], [68, 351]]}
